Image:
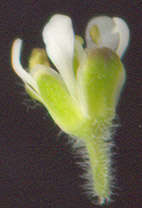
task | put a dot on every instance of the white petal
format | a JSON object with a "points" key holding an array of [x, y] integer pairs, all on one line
{"points": [[123, 30], [26, 77], [108, 37], [81, 56], [59, 40]]}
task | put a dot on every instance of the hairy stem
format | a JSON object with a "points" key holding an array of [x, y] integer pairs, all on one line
{"points": [[99, 156]]}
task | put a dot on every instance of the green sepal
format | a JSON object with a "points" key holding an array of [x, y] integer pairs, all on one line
{"points": [[100, 80], [64, 110]]}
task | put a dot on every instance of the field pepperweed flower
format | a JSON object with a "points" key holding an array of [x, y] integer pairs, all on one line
{"points": [[82, 93]]}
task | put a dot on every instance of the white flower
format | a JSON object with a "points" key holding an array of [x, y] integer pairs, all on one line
{"points": [[81, 96]]}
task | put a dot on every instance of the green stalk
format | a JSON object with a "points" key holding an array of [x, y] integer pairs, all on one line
{"points": [[99, 156]]}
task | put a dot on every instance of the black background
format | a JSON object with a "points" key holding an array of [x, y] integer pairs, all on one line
{"points": [[37, 167]]}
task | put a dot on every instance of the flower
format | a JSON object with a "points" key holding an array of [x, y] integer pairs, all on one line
{"points": [[82, 93], [66, 52]]}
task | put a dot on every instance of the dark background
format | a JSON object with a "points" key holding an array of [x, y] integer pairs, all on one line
{"points": [[37, 167]]}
